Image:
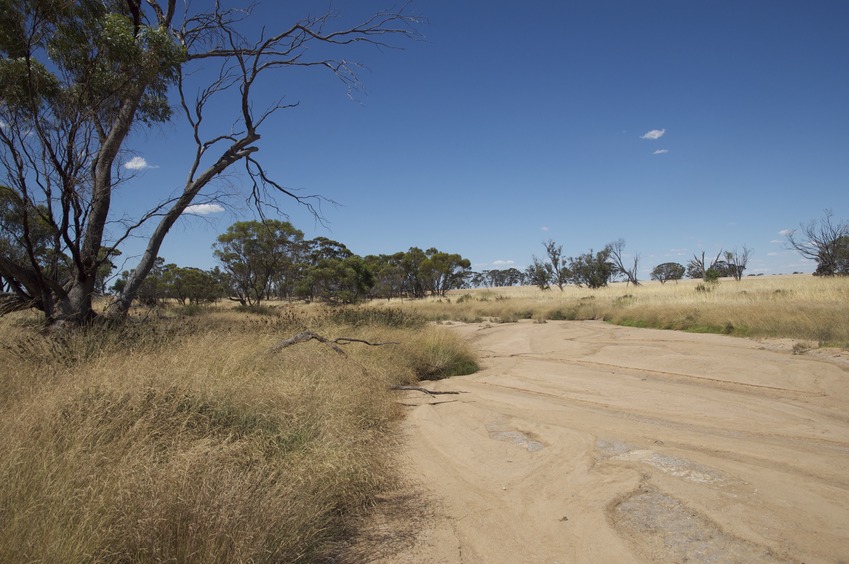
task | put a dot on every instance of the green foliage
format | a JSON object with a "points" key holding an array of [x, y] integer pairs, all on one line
{"points": [[497, 277], [334, 275], [256, 255], [593, 270], [442, 271], [713, 274], [539, 274], [192, 285], [417, 273], [668, 271], [559, 272]]}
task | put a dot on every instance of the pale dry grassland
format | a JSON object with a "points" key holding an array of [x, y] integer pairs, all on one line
{"points": [[801, 307], [185, 439]]}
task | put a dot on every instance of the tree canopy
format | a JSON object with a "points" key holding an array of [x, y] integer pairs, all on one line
{"points": [[668, 271]]}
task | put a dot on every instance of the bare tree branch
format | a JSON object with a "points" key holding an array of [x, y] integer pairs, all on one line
{"points": [[824, 241], [617, 249]]}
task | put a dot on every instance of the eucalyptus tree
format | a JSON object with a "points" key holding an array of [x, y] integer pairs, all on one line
{"points": [[77, 79], [668, 271], [254, 253], [539, 273], [592, 269], [559, 272]]}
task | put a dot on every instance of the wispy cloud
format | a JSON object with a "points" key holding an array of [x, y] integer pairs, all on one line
{"points": [[661, 152], [785, 232], [545, 228], [204, 209], [138, 163], [653, 134], [500, 262]]}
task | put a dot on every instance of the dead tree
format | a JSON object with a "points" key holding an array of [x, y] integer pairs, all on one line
{"points": [[617, 249]]}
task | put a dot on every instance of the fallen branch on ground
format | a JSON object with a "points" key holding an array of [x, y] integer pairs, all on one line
{"points": [[423, 390], [305, 336], [309, 335], [346, 340]]}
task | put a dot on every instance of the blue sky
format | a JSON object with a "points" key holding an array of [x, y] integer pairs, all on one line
{"points": [[680, 126]]}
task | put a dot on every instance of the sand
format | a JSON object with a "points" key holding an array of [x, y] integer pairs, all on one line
{"points": [[587, 442]]}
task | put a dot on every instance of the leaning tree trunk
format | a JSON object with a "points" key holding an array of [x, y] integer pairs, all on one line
{"points": [[120, 306]]}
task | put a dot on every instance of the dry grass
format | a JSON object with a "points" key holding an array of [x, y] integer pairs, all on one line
{"points": [[185, 440], [795, 306]]}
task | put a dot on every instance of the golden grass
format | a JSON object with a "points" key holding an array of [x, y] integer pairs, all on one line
{"points": [[186, 440], [794, 306]]}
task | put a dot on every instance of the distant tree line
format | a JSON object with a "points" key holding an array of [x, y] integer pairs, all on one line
{"points": [[272, 260], [595, 269]]}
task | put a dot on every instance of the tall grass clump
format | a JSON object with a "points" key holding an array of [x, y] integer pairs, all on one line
{"points": [[436, 353], [394, 317], [188, 440]]}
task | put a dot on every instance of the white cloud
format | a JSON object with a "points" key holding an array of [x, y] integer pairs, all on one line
{"points": [[785, 232], [503, 262], [545, 228], [653, 134], [204, 209], [776, 241], [138, 163], [661, 152]]}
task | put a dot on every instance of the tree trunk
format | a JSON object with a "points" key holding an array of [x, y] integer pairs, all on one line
{"points": [[77, 307]]}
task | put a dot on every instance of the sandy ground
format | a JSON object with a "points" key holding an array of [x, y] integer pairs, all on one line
{"points": [[586, 442]]}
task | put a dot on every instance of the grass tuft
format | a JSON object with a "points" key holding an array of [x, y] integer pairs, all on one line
{"points": [[435, 354]]}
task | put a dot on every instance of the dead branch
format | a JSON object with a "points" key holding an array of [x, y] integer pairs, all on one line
{"points": [[303, 337], [346, 340], [309, 335], [423, 390]]}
